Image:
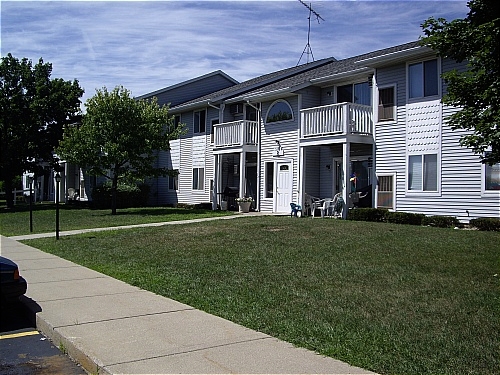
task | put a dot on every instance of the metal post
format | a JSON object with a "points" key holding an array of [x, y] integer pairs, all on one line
{"points": [[31, 200], [58, 180]]}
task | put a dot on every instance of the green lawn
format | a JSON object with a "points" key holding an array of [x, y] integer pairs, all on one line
{"points": [[393, 299], [74, 217]]}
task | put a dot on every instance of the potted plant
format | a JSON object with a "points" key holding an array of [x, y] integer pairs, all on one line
{"points": [[244, 203]]}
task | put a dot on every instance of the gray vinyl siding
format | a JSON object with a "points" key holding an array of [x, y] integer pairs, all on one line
{"points": [[461, 172], [390, 137], [286, 132]]}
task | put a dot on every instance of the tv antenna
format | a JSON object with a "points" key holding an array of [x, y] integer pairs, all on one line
{"points": [[307, 49]]}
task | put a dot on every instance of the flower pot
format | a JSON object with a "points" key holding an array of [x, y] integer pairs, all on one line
{"points": [[244, 206]]}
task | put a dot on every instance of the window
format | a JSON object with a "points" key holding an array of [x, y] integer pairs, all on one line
{"points": [[423, 79], [173, 182], [385, 192], [199, 121], [386, 105], [492, 177], [198, 178], [423, 172], [279, 111], [269, 180], [359, 93]]}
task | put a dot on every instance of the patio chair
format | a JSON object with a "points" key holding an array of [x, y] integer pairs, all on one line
{"points": [[338, 205], [296, 210], [310, 204], [326, 208], [72, 194]]}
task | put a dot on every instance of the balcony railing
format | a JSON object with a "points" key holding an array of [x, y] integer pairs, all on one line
{"points": [[236, 133], [342, 119]]}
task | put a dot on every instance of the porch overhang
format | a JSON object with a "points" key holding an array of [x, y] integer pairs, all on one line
{"points": [[234, 149]]}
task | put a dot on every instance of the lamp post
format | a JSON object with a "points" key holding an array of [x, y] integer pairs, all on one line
{"points": [[58, 180], [30, 180]]}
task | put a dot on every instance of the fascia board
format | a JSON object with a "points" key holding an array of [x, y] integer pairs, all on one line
{"points": [[395, 57]]}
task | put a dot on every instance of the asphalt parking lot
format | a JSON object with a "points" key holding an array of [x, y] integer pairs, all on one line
{"points": [[25, 351]]}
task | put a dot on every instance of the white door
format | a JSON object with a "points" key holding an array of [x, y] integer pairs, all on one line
{"points": [[283, 187]]}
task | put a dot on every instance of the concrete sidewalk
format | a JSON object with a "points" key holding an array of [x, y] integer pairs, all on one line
{"points": [[110, 327]]}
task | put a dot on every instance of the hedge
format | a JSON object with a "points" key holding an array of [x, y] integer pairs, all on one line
{"points": [[486, 223]]}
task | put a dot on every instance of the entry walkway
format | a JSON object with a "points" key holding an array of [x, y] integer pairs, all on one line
{"points": [[110, 327]]}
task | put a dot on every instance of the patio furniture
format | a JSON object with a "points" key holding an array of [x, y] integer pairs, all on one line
{"points": [[296, 210], [310, 204]]}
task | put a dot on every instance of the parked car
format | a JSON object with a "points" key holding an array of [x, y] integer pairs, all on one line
{"points": [[12, 285]]}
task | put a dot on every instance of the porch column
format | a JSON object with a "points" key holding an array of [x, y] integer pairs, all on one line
{"points": [[242, 173], [215, 196], [346, 163], [64, 183], [302, 171]]}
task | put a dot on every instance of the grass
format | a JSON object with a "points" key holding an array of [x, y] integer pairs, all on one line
{"points": [[390, 298], [17, 222]]}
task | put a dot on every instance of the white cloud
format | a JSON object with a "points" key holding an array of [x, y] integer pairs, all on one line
{"points": [[147, 45]]}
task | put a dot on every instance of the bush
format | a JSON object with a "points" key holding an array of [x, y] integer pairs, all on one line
{"points": [[196, 206], [127, 195], [486, 223], [404, 218], [367, 214], [441, 221]]}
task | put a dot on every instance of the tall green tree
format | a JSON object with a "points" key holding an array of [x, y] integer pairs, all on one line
{"points": [[33, 112], [475, 40], [120, 137]]}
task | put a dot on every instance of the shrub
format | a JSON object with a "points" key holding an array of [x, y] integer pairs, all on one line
{"points": [[127, 195], [486, 223], [367, 214], [404, 218], [441, 221]]}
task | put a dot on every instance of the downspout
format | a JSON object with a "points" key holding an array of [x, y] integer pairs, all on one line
{"points": [[257, 204], [216, 173]]}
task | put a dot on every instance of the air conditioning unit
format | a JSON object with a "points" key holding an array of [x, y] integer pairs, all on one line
{"points": [[236, 109]]}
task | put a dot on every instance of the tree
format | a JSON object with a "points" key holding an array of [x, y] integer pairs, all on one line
{"points": [[119, 138], [475, 40], [33, 111]]}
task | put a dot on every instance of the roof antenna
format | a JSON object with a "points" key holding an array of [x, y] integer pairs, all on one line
{"points": [[307, 49]]}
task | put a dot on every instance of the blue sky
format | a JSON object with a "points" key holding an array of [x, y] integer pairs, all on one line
{"points": [[148, 45]]}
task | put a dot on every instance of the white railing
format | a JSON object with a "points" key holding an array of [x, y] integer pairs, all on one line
{"points": [[235, 133], [342, 118]]}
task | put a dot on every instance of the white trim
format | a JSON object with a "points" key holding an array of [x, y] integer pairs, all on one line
{"points": [[394, 179], [376, 98], [484, 192], [439, 82], [427, 193], [272, 105]]}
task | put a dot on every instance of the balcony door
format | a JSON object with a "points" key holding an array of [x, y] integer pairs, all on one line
{"points": [[283, 186]]}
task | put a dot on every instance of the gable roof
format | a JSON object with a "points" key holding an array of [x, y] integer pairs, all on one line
{"points": [[192, 88], [337, 69], [252, 84]]}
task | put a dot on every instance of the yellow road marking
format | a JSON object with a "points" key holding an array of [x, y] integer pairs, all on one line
{"points": [[21, 334]]}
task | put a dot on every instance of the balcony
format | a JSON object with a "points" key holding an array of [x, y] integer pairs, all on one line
{"points": [[236, 134], [336, 119]]}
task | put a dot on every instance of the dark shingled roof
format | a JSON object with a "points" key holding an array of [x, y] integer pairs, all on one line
{"points": [[335, 67], [256, 82], [293, 77]]}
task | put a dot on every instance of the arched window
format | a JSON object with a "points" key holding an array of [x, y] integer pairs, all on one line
{"points": [[280, 110]]}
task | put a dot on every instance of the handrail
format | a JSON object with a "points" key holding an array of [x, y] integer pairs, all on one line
{"points": [[341, 118]]}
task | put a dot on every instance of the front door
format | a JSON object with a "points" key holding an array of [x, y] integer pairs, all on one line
{"points": [[283, 187]]}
